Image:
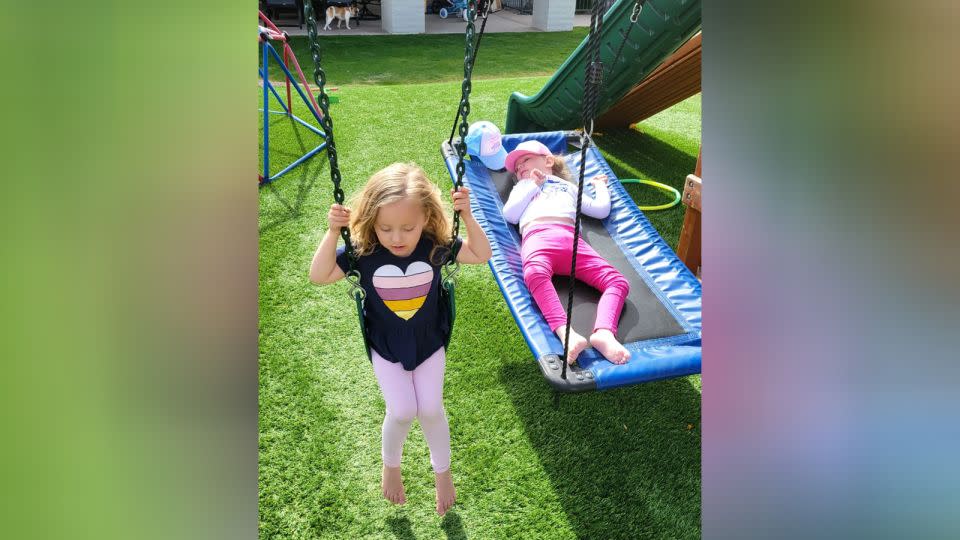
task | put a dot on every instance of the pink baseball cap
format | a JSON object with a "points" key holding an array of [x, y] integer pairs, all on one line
{"points": [[483, 141], [524, 148]]}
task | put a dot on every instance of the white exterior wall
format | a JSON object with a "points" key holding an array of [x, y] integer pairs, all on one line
{"points": [[554, 15], [402, 16]]}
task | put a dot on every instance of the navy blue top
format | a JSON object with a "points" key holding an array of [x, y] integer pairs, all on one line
{"points": [[405, 314]]}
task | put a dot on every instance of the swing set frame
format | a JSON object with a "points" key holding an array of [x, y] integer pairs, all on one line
{"points": [[269, 33]]}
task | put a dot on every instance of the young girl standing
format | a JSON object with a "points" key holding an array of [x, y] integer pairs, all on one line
{"points": [[400, 234], [543, 203]]}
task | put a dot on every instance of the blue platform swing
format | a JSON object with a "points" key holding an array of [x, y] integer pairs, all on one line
{"points": [[661, 320]]}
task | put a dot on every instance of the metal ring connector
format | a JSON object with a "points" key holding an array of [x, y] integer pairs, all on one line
{"points": [[452, 268], [353, 277]]}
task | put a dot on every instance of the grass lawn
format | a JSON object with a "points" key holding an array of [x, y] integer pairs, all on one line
{"points": [[624, 463], [431, 57]]}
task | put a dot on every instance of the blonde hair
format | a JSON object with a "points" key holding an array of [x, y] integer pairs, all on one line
{"points": [[560, 168], [394, 183]]}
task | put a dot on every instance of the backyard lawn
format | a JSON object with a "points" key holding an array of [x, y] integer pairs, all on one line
{"points": [[623, 463], [432, 58]]}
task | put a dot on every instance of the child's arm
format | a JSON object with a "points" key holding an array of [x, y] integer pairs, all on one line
{"points": [[520, 197], [598, 207], [475, 248], [324, 268]]}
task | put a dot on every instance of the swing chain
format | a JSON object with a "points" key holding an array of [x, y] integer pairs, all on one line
{"points": [[326, 122], [460, 123], [465, 87], [473, 48]]}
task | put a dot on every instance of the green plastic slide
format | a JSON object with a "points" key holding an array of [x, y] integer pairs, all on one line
{"points": [[662, 27]]}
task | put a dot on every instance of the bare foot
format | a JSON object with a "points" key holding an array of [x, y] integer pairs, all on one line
{"points": [[446, 494], [393, 485], [604, 341], [577, 343]]}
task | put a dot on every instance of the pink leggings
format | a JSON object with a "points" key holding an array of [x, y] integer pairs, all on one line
{"points": [[546, 250], [409, 395]]}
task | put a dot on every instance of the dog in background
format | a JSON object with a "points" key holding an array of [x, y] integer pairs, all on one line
{"points": [[341, 13]]}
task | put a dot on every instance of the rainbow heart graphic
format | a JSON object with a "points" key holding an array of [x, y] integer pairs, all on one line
{"points": [[403, 292]]}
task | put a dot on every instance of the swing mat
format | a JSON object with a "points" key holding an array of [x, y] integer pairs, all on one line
{"points": [[661, 322]]}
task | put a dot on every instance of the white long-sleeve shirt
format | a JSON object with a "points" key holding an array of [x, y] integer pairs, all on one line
{"points": [[556, 198]]}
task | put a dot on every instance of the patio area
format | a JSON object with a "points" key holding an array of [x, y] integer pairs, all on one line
{"points": [[503, 20]]}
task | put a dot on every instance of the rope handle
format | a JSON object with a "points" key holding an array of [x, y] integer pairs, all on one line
{"points": [[592, 82], [634, 16]]}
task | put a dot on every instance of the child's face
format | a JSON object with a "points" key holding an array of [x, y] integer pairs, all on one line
{"points": [[527, 163], [399, 225]]}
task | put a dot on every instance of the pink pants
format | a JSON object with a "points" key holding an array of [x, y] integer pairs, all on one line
{"points": [[414, 394], [547, 249]]}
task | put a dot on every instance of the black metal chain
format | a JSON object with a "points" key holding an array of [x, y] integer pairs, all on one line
{"points": [[592, 81], [326, 122], [483, 6], [465, 87]]}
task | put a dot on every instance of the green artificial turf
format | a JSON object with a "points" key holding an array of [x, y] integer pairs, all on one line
{"points": [[422, 58], [623, 463]]}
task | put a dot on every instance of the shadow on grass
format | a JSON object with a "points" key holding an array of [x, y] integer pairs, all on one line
{"points": [[453, 526], [624, 463], [654, 158], [306, 174], [401, 528], [632, 154]]}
